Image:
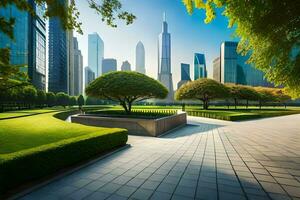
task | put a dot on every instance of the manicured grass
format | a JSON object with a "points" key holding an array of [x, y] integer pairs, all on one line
{"points": [[35, 146], [27, 132], [20, 113]]}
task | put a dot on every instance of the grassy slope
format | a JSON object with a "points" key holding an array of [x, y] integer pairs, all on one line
{"points": [[27, 132]]}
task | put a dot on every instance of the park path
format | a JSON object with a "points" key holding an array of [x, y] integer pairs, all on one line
{"points": [[208, 159]]}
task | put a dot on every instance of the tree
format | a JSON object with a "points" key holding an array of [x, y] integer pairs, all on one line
{"points": [[72, 101], [249, 94], [235, 93], [265, 95], [80, 101], [126, 88], [51, 99], [69, 15], [62, 99], [41, 98], [281, 96], [202, 89], [268, 31], [29, 95]]}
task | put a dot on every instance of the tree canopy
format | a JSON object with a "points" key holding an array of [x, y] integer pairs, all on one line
{"points": [[203, 89], [268, 30], [126, 87]]}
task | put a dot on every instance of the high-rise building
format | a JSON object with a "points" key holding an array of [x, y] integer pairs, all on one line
{"points": [[28, 48], [234, 68], [78, 69], [95, 53], [217, 69], [199, 66], [228, 59], [140, 58], [185, 74], [164, 60], [109, 65], [89, 76], [71, 67], [61, 56], [126, 66]]}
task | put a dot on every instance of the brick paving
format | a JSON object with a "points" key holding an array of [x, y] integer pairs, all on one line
{"points": [[208, 159]]}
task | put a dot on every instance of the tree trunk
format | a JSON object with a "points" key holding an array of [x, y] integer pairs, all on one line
{"points": [[205, 104], [247, 104], [260, 105], [235, 103]]}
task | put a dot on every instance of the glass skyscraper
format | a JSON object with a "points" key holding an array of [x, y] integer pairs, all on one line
{"points": [[28, 48], [58, 57], [89, 76], [126, 66], [199, 66], [164, 60], [185, 74], [95, 53], [78, 69], [217, 69], [140, 58], [234, 68], [109, 65]]}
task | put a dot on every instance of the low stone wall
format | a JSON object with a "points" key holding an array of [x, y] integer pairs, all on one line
{"points": [[144, 127]]}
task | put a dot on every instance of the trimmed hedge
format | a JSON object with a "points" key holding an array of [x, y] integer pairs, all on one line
{"points": [[233, 117], [26, 165]]}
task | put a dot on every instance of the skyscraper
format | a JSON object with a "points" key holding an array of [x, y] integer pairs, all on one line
{"points": [[228, 62], [89, 76], [199, 66], [164, 60], [234, 68], [95, 53], [60, 58], [78, 69], [109, 65], [28, 48], [217, 69], [126, 66], [140, 58], [185, 74], [71, 69]]}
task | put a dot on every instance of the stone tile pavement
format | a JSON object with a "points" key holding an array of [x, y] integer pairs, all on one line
{"points": [[208, 159]]}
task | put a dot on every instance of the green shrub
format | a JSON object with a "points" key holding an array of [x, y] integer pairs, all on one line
{"points": [[26, 165]]}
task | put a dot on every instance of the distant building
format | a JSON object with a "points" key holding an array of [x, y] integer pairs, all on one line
{"points": [[28, 48], [109, 65], [185, 75], [78, 69], [89, 75], [164, 60], [234, 68], [217, 69], [126, 66], [71, 70], [199, 66], [95, 53], [140, 58]]}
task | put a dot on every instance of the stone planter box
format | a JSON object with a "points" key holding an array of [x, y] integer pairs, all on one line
{"points": [[135, 126]]}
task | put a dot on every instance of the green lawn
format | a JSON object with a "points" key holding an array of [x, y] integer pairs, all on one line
{"points": [[31, 131]]}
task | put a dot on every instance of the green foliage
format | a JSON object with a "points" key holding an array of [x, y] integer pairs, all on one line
{"points": [[62, 99], [72, 101], [51, 99], [80, 101], [268, 30], [202, 89], [41, 98], [126, 88], [29, 95], [20, 167]]}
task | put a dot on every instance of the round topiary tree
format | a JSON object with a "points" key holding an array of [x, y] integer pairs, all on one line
{"points": [[80, 101], [126, 88], [202, 89]]}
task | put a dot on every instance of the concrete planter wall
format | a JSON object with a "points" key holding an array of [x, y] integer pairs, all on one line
{"points": [[144, 127]]}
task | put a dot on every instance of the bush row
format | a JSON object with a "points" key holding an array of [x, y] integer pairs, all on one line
{"points": [[26, 165], [228, 117]]}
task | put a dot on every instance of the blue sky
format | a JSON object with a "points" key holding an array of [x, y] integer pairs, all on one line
{"points": [[189, 34]]}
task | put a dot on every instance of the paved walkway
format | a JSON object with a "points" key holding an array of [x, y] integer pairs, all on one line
{"points": [[208, 159]]}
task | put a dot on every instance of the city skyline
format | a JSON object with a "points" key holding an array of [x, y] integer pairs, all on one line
{"points": [[190, 34]]}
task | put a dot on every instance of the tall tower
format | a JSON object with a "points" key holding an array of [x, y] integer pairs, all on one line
{"points": [[95, 53], [164, 60], [140, 58], [199, 66], [78, 68]]}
